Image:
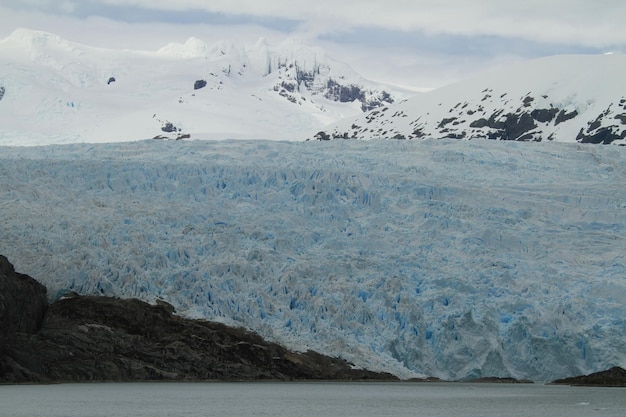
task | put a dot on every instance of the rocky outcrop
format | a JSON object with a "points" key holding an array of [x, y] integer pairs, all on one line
{"points": [[614, 377], [560, 98], [2, 91], [81, 338], [348, 93], [470, 120], [169, 127], [198, 84], [294, 81], [608, 127], [23, 302]]}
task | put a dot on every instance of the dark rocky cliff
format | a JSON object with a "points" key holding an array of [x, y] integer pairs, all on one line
{"points": [[107, 339], [23, 302]]}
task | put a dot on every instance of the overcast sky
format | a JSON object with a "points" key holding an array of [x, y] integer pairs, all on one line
{"points": [[423, 43]]}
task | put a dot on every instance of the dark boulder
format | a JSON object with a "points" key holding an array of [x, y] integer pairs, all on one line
{"points": [[199, 84], [111, 80], [169, 127]]}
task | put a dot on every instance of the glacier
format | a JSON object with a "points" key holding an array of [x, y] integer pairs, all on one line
{"points": [[455, 259]]}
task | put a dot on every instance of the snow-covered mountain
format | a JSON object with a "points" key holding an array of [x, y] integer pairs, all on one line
{"points": [[574, 98], [449, 258], [56, 91]]}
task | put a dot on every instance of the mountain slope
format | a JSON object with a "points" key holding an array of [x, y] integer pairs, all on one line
{"points": [[456, 259], [56, 91], [561, 98]]}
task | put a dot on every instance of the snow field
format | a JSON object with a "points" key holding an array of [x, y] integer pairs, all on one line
{"points": [[58, 92]]}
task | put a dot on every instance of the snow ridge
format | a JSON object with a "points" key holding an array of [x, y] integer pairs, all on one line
{"points": [[58, 91], [456, 259], [573, 98]]}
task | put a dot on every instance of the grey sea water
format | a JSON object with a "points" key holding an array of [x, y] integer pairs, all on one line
{"points": [[309, 400]]}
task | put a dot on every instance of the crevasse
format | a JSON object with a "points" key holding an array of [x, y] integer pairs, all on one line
{"points": [[444, 258]]}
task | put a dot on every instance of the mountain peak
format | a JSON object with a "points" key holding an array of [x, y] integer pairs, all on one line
{"points": [[36, 39], [225, 89], [565, 98], [192, 48]]}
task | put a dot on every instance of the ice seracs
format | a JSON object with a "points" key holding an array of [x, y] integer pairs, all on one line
{"points": [[456, 259]]}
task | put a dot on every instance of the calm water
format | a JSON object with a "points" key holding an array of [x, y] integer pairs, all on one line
{"points": [[308, 399]]}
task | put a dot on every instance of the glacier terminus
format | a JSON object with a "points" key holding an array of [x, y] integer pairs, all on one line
{"points": [[455, 259]]}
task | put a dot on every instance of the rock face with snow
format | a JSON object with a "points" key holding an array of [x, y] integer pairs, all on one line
{"points": [[563, 99], [454, 259], [61, 91]]}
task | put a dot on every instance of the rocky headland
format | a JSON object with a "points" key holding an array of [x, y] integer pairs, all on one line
{"points": [[85, 338], [614, 377]]}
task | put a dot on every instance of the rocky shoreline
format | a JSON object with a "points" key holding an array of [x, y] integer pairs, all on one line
{"points": [[83, 338], [614, 377]]}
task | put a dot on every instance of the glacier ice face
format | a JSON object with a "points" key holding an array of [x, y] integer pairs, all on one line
{"points": [[445, 258]]}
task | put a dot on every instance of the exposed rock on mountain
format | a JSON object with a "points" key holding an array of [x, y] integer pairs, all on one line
{"points": [[563, 98], [320, 79], [2, 90], [198, 84], [239, 91], [614, 377], [108, 339], [169, 127], [349, 93], [22, 302]]}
